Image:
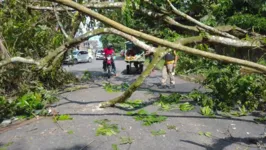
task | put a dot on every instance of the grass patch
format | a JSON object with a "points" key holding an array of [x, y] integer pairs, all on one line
{"points": [[147, 118], [159, 132], [105, 128]]}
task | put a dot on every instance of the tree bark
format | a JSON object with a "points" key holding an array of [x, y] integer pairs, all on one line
{"points": [[160, 52], [97, 5], [159, 41]]}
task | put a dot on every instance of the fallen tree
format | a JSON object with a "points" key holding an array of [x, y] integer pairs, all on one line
{"points": [[165, 43]]}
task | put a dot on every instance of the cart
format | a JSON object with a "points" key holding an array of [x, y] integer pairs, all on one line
{"points": [[138, 59]]}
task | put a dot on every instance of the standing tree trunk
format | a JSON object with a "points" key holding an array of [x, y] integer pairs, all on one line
{"points": [[160, 52]]}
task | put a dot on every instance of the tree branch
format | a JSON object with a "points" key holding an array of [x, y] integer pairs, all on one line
{"points": [[189, 18], [220, 40], [159, 41], [19, 59], [54, 56], [169, 20], [98, 5], [60, 24]]}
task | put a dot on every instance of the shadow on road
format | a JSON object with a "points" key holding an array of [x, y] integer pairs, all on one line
{"points": [[249, 142], [76, 147]]}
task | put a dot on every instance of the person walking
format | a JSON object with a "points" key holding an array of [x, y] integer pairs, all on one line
{"points": [[169, 65]]}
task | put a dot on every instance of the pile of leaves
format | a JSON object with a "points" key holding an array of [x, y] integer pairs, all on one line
{"points": [[28, 104]]}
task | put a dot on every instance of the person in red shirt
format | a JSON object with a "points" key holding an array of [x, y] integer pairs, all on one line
{"points": [[109, 51]]}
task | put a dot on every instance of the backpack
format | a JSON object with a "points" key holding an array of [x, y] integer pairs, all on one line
{"points": [[169, 57]]}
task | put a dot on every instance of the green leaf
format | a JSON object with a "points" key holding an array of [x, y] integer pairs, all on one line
{"points": [[115, 147], [126, 140], [158, 132], [208, 134], [186, 107]]}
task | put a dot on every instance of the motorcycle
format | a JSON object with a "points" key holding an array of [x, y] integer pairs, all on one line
{"points": [[108, 64]]}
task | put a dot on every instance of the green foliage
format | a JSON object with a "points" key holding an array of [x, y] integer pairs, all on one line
{"points": [[126, 140], [172, 127], [117, 41], [27, 103], [207, 134], [167, 102], [158, 132], [114, 147], [238, 89], [242, 111], [70, 132], [147, 118], [62, 118], [186, 107], [260, 119], [249, 21], [6, 108], [105, 128], [207, 111], [115, 88], [86, 76], [132, 104]]}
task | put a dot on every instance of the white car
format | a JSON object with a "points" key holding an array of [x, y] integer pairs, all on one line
{"points": [[99, 54], [79, 56]]}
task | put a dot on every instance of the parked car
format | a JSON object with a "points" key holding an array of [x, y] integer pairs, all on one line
{"points": [[99, 54], [79, 56]]}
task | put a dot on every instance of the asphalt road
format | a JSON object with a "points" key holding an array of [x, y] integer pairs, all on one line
{"points": [[82, 105]]}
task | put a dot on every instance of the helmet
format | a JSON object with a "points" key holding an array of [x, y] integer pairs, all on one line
{"points": [[109, 45]]}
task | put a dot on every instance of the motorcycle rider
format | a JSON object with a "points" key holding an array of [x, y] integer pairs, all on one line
{"points": [[109, 51]]}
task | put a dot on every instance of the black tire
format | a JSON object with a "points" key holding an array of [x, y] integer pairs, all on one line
{"points": [[141, 68], [108, 71], [128, 69], [75, 61]]}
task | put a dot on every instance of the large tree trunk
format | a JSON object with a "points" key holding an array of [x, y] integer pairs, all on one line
{"points": [[160, 52]]}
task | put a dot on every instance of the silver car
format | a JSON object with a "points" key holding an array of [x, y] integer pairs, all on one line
{"points": [[99, 54], [79, 56]]}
